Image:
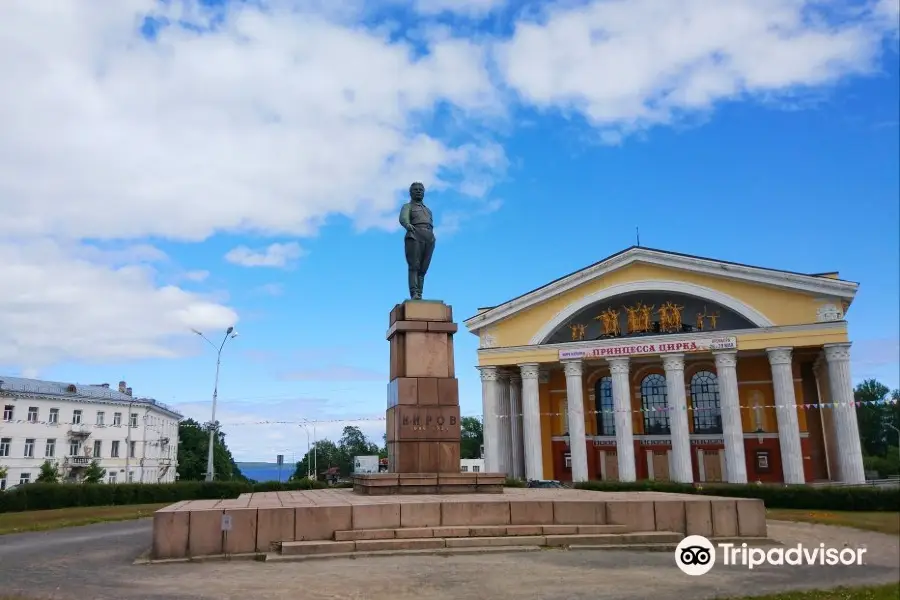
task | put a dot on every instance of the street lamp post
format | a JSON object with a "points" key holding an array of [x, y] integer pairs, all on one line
{"points": [[315, 456], [887, 423], [308, 461], [229, 334]]}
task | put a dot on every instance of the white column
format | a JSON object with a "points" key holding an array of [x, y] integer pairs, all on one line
{"points": [[678, 419], [786, 414], [730, 405], [838, 358], [621, 391], [531, 422], [575, 398], [490, 402], [826, 415], [517, 468], [504, 425]]}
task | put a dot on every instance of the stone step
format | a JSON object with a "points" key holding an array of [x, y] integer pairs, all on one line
{"points": [[640, 537], [439, 543], [475, 531]]}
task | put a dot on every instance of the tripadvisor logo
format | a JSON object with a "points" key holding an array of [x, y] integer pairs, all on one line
{"points": [[696, 555]]}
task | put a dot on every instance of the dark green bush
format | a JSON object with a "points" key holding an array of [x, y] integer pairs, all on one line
{"points": [[43, 496], [774, 496], [513, 482]]}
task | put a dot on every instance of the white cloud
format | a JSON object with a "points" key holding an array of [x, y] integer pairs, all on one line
{"points": [[270, 121], [258, 431], [276, 255], [61, 306], [470, 8], [628, 65], [196, 276]]}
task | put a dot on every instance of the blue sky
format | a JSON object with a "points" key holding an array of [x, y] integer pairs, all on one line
{"points": [[245, 164]]}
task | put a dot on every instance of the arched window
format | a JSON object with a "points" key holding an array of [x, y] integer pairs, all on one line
{"points": [[705, 400], [653, 402], [606, 419]]}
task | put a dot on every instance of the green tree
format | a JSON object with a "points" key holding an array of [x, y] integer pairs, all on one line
{"points": [[327, 454], [94, 473], [49, 473], [471, 438], [3, 472], [323, 456], [193, 448], [874, 435]]}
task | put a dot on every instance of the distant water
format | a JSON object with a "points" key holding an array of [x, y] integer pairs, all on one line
{"points": [[266, 472]]}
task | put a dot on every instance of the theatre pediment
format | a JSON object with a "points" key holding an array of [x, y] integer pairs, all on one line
{"points": [[640, 314], [726, 296]]}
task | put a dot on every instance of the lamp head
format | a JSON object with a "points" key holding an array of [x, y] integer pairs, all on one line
{"points": [[229, 330]]}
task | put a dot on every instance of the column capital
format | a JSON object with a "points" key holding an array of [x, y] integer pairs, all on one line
{"points": [[673, 362], [618, 365], [837, 352], [779, 356], [725, 359], [488, 373], [530, 370], [573, 368]]}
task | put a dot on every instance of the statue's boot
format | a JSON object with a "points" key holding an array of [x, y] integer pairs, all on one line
{"points": [[414, 291], [421, 285]]}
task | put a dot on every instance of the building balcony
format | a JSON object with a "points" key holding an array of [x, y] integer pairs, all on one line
{"points": [[77, 461], [79, 431]]}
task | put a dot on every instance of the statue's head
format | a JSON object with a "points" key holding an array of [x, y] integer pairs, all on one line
{"points": [[417, 192]]}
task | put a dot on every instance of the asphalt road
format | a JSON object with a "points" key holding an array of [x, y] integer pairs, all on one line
{"points": [[95, 563]]}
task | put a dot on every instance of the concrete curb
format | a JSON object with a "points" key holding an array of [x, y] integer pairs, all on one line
{"points": [[276, 558]]}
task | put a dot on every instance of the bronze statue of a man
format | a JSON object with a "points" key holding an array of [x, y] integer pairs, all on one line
{"points": [[415, 217]]}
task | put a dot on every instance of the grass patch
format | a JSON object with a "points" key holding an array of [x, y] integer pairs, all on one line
{"points": [[42, 520], [879, 592], [882, 522]]}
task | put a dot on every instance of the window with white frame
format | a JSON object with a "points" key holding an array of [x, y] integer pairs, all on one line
{"points": [[24, 478], [29, 448], [50, 448], [76, 417], [101, 416], [32, 414], [464, 469], [134, 419], [5, 443], [112, 476], [98, 448], [2, 484], [117, 419], [54, 416], [8, 411], [476, 469], [132, 449], [74, 448], [130, 476], [114, 451]]}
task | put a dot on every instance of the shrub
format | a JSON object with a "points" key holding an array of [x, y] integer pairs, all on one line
{"points": [[43, 496], [513, 483], [774, 496]]}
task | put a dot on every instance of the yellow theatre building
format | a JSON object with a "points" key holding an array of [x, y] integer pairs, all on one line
{"points": [[657, 365]]}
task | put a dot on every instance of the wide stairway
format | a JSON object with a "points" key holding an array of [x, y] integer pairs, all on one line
{"points": [[485, 538]]}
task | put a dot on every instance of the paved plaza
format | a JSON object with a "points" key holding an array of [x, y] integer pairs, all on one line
{"points": [[96, 562]]}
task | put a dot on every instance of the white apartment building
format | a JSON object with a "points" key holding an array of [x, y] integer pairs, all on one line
{"points": [[134, 439], [471, 465]]}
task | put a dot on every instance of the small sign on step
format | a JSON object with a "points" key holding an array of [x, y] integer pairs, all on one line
{"points": [[226, 522]]}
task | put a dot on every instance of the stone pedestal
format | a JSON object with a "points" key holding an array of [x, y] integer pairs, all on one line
{"points": [[423, 420]]}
